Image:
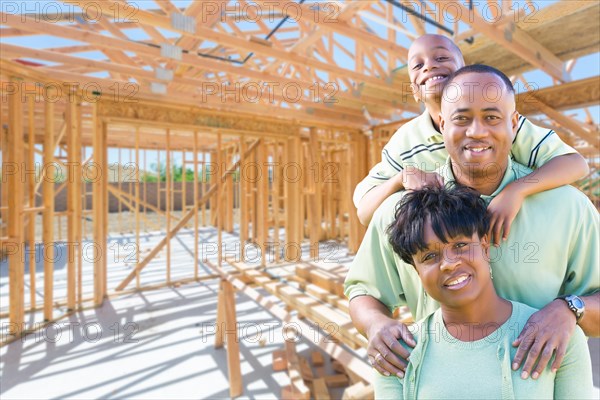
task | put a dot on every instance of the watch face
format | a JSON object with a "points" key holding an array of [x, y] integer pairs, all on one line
{"points": [[577, 302]]}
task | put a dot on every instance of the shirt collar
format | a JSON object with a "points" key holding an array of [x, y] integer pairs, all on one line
{"points": [[427, 123], [510, 175]]}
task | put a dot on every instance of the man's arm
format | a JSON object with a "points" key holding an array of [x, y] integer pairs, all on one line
{"points": [[373, 320], [590, 321], [574, 379]]}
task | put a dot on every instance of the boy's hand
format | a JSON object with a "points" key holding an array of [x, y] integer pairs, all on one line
{"points": [[504, 208], [413, 179]]}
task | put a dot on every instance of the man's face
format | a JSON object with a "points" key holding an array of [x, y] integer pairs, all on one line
{"points": [[478, 122], [431, 59]]}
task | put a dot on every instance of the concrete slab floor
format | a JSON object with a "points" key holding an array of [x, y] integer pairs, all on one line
{"points": [[151, 345]]}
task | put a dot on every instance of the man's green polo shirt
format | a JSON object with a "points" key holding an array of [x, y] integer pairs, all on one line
{"points": [[552, 249], [418, 144]]}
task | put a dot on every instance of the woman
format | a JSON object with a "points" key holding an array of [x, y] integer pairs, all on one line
{"points": [[464, 349]]}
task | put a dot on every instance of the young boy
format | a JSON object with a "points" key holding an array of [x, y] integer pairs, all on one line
{"points": [[418, 147]]}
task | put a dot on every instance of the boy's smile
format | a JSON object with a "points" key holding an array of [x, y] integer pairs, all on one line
{"points": [[431, 59]]}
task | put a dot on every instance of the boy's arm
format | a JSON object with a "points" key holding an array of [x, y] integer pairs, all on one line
{"points": [[374, 197], [558, 171], [410, 178]]}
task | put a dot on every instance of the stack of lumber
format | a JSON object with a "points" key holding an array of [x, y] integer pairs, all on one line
{"points": [[315, 293]]}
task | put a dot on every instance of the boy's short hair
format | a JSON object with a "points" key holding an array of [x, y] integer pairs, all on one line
{"points": [[452, 45], [452, 211], [479, 69]]}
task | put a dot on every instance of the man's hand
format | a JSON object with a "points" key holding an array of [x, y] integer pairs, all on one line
{"points": [[385, 353], [546, 331], [504, 208], [414, 179]]}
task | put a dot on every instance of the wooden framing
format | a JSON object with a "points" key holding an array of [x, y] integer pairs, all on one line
{"points": [[293, 189], [202, 89], [48, 222], [227, 333], [14, 155], [314, 171], [74, 200]]}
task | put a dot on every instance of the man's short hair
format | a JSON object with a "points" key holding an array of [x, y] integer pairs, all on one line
{"points": [[479, 69], [452, 211]]}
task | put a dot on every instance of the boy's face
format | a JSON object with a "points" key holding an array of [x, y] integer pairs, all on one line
{"points": [[431, 59], [454, 273]]}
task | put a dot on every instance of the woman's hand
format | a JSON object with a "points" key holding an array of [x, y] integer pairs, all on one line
{"points": [[385, 352], [503, 209], [546, 331]]}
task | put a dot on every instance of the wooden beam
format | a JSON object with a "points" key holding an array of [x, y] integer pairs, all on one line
{"points": [[262, 201], [100, 208], [119, 192], [195, 205], [30, 218], [329, 21], [187, 59], [233, 344], [244, 45], [48, 215], [591, 137], [73, 197], [572, 95], [220, 322], [350, 360], [137, 203], [184, 219], [194, 10], [244, 195], [315, 206], [321, 116], [216, 208], [293, 192], [513, 39], [167, 7], [80, 189], [416, 22], [299, 390], [14, 158], [168, 206]]}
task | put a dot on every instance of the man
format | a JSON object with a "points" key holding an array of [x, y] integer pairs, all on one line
{"points": [[552, 249], [417, 148]]}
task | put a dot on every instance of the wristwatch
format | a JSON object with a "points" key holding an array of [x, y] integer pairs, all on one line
{"points": [[575, 304]]}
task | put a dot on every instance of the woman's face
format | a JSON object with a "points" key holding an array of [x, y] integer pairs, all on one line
{"points": [[454, 273]]}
